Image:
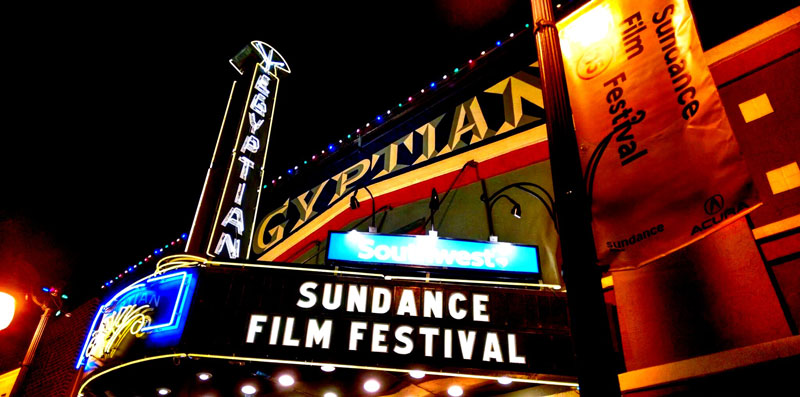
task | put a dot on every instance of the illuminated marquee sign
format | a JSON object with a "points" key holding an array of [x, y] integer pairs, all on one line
{"points": [[432, 252], [153, 308], [242, 189], [294, 315]]}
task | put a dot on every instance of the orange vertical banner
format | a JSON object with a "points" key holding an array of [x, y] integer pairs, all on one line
{"points": [[660, 162]]}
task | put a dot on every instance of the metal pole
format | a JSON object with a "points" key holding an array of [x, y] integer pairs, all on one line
{"points": [[588, 321], [26, 363]]}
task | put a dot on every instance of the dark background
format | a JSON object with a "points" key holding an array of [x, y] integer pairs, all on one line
{"points": [[111, 113]]}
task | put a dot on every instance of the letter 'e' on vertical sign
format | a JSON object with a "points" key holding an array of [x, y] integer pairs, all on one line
{"points": [[232, 229], [661, 165]]}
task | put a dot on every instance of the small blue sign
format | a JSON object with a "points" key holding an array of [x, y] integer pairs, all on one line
{"points": [[432, 251], [167, 297]]}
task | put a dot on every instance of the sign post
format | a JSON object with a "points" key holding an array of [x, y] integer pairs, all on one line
{"points": [[588, 322]]}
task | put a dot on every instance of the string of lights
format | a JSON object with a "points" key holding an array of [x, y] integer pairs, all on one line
{"points": [[354, 137], [160, 251]]}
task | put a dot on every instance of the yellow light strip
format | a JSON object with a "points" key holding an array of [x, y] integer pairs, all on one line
{"points": [[370, 368], [173, 262], [213, 155], [141, 360], [319, 364], [777, 227], [754, 36], [510, 283], [385, 276], [334, 271], [242, 118]]}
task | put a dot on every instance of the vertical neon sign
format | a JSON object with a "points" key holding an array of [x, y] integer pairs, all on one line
{"points": [[235, 216]]}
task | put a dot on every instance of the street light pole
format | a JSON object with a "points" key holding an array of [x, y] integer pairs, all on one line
{"points": [[588, 322], [37, 336]]}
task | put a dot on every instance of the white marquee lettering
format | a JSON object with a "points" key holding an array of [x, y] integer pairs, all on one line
{"points": [[255, 327]]}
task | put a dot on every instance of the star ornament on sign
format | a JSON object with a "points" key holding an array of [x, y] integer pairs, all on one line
{"points": [[270, 58]]}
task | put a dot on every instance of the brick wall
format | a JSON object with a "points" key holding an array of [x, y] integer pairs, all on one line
{"points": [[53, 370]]}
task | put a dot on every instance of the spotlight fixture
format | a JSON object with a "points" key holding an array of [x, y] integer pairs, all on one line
{"points": [[249, 389], [516, 211], [203, 376], [455, 391], [163, 391], [330, 394], [327, 368], [354, 204], [433, 205], [286, 380], [372, 385]]}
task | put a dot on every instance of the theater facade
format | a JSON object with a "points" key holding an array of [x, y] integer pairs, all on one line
{"points": [[420, 257]]}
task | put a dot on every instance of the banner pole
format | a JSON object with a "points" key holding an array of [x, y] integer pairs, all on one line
{"points": [[588, 320]]}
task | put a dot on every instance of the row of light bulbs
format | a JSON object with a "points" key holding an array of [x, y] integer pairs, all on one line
{"points": [[370, 385], [156, 252]]}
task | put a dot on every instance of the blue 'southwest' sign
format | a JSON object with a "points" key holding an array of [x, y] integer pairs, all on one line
{"points": [[431, 251]]}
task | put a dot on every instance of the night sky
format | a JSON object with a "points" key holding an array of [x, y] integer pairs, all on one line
{"points": [[114, 112]]}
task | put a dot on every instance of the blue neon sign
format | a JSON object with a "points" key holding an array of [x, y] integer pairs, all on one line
{"points": [[431, 251], [166, 297]]}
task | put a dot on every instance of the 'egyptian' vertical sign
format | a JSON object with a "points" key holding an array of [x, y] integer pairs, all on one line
{"points": [[235, 215], [660, 161]]}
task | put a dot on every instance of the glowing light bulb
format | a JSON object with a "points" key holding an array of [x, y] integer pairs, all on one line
{"points": [[498, 42], [511, 35], [248, 389], [204, 376], [327, 368], [455, 70], [330, 394], [372, 385], [416, 374], [7, 308], [505, 380], [422, 90], [483, 52], [409, 99], [163, 391], [527, 25], [286, 380], [455, 391]]}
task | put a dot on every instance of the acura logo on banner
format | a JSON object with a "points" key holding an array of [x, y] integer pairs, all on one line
{"points": [[714, 204]]}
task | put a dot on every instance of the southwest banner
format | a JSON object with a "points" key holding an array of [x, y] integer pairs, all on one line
{"points": [[660, 162]]}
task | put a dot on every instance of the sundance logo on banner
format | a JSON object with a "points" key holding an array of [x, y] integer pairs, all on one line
{"points": [[655, 143]]}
